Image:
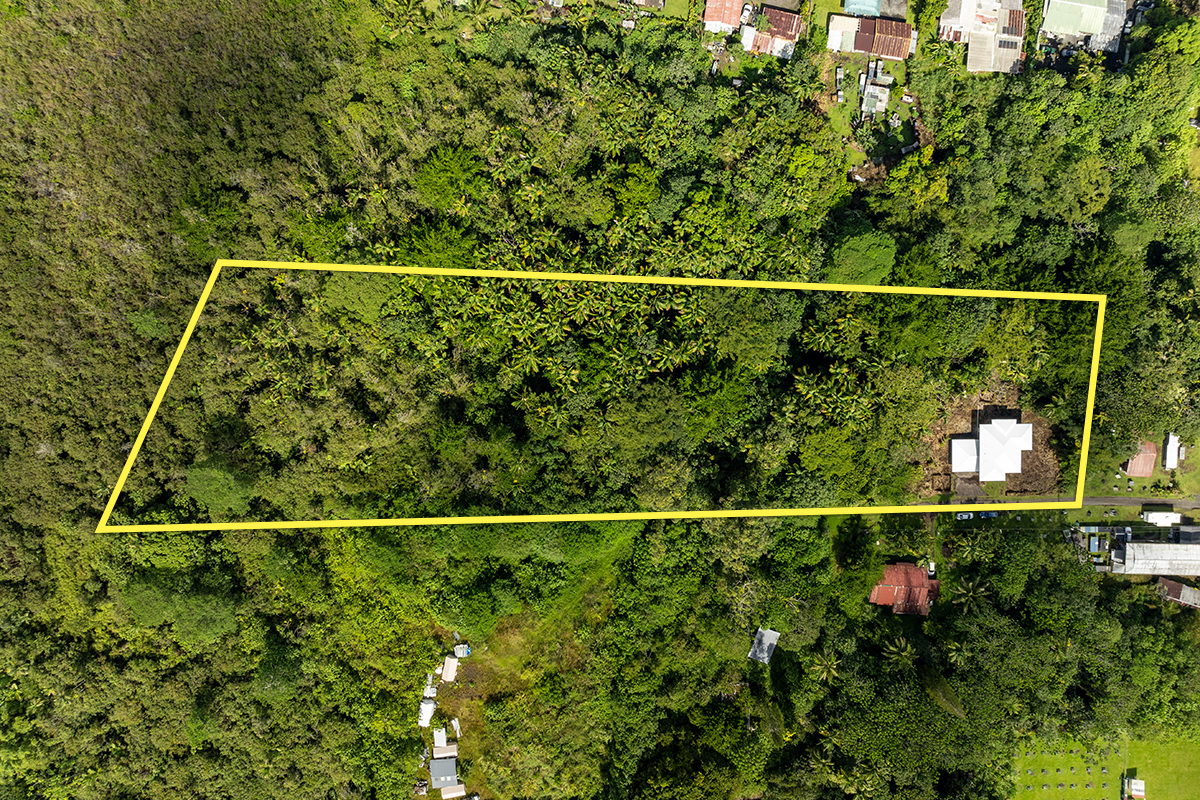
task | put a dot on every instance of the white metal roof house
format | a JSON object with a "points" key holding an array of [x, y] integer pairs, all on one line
{"points": [[1163, 519], [1156, 558], [997, 451]]}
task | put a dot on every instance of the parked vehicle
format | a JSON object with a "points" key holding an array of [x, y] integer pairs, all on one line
{"points": [[964, 515], [988, 514]]}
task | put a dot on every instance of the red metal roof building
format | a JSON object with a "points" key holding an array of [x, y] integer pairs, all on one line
{"points": [[1142, 465], [907, 588], [722, 16]]}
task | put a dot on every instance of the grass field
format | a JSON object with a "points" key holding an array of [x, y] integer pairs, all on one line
{"points": [[1101, 484], [676, 8], [1171, 770], [1040, 771]]}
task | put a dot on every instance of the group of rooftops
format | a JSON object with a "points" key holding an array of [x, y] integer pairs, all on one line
{"points": [[993, 30], [443, 767]]}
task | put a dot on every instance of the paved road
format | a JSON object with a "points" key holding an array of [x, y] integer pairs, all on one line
{"points": [[1176, 503]]}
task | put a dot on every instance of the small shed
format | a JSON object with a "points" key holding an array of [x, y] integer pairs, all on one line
{"points": [[1171, 452], [450, 669], [1142, 465], [425, 714], [458, 790], [1135, 788], [764, 645]]}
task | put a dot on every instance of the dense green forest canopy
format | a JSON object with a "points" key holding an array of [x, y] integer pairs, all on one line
{"points": [[143, 141], [372, 396]]}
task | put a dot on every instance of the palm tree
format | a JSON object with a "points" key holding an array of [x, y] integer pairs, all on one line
{"points": [[970, 594], [957, 653], [825, 667], [900, 652]]}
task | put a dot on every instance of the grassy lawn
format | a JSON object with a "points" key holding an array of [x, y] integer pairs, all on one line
{"points": [[1050, 764], [820, 18], [1100, 484], [1170, 769], [677, 8]]}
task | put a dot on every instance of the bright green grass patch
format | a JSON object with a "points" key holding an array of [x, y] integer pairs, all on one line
{"points": [[677, 8], [1171, 770], [1100, 484], [822, 9], [1057, 761]]}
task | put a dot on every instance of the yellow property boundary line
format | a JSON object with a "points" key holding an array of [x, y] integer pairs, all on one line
{"points": [[1101, 301]]}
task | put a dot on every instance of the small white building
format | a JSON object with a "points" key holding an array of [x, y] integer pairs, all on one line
{"points": [[1135, 788], [441, 747], [764, 645], [425, 715], [450, 669], [1163, 519], [997, 451], [1171, 452]]}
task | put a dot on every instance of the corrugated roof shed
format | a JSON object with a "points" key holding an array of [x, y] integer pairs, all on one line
{"points": [[1074, 17], [784, 24], [722, 16], [1108, 38], [1157, 558], [764, 645], [892, 39], [907, 588], [443, 772], [1180, 593], [1142, 465]]}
